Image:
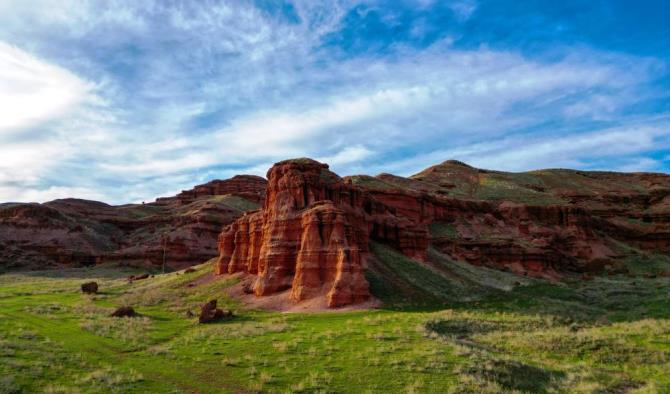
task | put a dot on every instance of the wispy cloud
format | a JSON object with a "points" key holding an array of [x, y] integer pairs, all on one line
{"points": [[587, 149], [125, 101], [33, 91]]}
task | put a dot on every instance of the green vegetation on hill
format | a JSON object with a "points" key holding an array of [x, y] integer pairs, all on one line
{"points": [[445, 327], [643, 263], [370, 182], [540, 187], [520, 188], [235, 202], [442, 229], [144, 210]]}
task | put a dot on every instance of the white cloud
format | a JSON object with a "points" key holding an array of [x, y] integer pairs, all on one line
{"points": [[21, 194], [639, 164], [569, 150], [47, 115], [463, 8], [152, 166], [25, 161], [34, 91], [348, 155], [289, 132], [210, 89]]}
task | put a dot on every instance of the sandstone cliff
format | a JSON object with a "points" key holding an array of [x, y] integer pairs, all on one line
{"points": [[312, 235], [538, 223]]}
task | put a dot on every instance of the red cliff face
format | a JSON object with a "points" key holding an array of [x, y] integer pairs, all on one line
{"points": [[540, 223], [312, 236], [530, 240]]}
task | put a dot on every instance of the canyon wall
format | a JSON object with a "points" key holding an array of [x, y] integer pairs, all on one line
{"points": [[312, 236]]}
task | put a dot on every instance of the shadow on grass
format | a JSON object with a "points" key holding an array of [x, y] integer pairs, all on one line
{"points": [[485, 364], [513, 375], [403, 284], [588, 303]]}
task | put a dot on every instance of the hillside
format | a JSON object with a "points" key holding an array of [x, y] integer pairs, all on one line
{"points": [[73, 232]]}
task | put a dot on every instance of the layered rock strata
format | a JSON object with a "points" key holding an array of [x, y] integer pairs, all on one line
{"points": [[312, 236], [541, 223]]}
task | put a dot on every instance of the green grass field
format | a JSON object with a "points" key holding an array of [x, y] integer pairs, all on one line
{"points": [[447, 327]]}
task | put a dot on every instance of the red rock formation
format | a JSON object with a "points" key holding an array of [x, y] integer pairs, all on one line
{"points": [[538, 223], [313, 232], [311, 236], [530, 240]]}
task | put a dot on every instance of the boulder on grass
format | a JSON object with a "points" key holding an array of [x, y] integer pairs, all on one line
{"points": [[124, 311], [210, 313], [189, 270], [89, 288], [132, 278]]}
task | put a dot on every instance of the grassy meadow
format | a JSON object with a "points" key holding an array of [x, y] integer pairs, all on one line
{"points": [[447, 327]]}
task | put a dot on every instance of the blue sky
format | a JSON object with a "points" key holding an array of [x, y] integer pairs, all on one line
{"points": [[124, 101]]}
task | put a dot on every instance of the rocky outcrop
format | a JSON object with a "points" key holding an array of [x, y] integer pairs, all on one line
{"points": [[530, 240], [209, 313], [312, 235], [124, 311], [133, 278], [89, 288], [39, 235]]}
